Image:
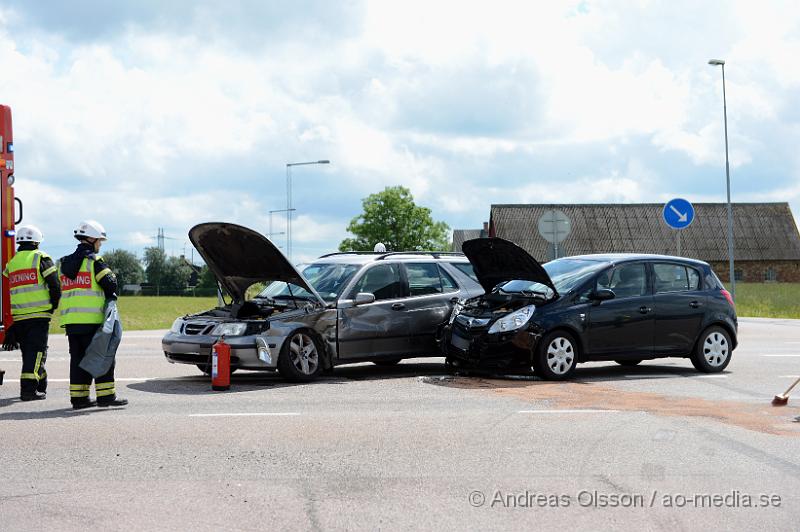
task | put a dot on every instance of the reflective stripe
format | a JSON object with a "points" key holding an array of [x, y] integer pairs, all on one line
{"points": [[48, 271], [24, 317], [79, 386], [32, 304], [82, 292], [24, 289], [103, 385], [79, 309], [73, 393], [37, 364], [103, 273], [103, 393], [29, 376]]}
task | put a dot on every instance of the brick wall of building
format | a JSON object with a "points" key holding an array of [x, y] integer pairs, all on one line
{"points": [[782, 271]]}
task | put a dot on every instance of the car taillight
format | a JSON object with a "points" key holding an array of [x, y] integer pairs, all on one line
{"points": [[728, 297]]}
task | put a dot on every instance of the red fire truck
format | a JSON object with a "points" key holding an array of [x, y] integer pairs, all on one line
{"points": [[8, 217]]}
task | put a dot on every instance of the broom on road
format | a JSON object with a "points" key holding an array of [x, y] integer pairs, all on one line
{"points": [[783, 399]]}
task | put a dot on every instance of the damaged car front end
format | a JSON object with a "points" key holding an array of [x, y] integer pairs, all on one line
{"points": [[498, 330]]}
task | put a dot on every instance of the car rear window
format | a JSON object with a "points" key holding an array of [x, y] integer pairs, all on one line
{"points": [[466, 267], [675, 278]]}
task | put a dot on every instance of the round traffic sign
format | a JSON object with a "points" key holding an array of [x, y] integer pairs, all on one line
{"points": [[678, 213], [554, 226]]}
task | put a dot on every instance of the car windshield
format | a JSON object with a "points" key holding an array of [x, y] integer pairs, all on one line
{"points": [[327, 279], [566, 274]]}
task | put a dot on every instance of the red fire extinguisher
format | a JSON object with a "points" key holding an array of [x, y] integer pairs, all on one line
{"points": [[221, 365]]}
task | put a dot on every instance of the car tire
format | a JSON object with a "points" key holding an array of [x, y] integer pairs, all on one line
{"points": [[387, 362], [629, 363], [556, 356], [300, 359], [713, 351], [206, 369]]}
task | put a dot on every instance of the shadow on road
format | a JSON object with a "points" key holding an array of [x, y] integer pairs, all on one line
{"points": [[67, 412], [251, 381]]}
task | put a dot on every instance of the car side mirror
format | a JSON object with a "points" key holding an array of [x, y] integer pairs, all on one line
{"points": [[604, 294], [364, 298]]}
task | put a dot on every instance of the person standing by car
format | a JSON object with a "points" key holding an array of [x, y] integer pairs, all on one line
{"points": [[88, 284], [35, 293]]}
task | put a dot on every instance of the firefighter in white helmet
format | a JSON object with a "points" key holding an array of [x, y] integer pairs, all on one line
{"points": [[87, 284], [35, 293]]}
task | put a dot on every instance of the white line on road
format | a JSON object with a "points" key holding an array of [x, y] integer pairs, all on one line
{"points": [[710, 376], [790, 377], [587, 411], [248, 414], [660, 376], [781, 355]]}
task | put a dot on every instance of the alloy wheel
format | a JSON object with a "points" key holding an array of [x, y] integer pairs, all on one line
{"points": [[304, 354]]}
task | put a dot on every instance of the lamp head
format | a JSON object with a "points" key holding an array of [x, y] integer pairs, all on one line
{"points": [[716, 62]]}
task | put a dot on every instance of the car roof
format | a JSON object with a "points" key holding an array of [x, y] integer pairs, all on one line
{"points": [[615, 258], [349, 257]]}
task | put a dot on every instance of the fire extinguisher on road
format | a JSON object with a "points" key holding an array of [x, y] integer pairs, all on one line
{"points": [[221, 365]]}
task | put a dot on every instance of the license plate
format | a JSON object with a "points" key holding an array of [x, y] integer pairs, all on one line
{"points": [[459, 342]]}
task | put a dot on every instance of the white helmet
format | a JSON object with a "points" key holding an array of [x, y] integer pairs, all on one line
{"points": [[379, 248], [90, 229], [29, 233]]}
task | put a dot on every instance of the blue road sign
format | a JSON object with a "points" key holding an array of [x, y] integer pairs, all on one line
{"points": [[678, 213]]}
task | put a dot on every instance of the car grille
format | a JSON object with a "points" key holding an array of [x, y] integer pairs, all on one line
{"points": [[197, 328]]}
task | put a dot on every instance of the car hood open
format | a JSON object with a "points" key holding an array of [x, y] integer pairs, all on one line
{"points": [[496, 260], [240, 257]]}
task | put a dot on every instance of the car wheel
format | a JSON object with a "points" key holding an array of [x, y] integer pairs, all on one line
{"points": [[205, 368], [388, 362], [712, 353], [628, 362], [556, 356], [300, 359]]}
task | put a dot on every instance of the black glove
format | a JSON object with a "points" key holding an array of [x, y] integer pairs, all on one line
{"points": [[10, 343]]}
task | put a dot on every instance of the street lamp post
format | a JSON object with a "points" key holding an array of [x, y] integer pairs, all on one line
{"points": [[271, 234], [721, 63], [289, 208]]}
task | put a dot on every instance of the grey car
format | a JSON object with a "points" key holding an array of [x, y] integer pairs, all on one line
{"points": [[340, 309]]}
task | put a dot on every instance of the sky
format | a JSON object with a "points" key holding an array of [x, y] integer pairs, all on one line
{"points": [[147, 114]]}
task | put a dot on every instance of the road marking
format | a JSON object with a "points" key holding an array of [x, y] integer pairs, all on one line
{"points": [[587, 411], [790, 376], [248, 414], [661, 376], [780, 355], [711, 376]]}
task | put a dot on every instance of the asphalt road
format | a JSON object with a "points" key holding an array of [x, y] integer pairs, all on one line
{"points": [[655, 447]]}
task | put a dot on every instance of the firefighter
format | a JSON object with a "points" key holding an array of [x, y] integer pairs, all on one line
{"points": [[35, 293], [87, 284]]}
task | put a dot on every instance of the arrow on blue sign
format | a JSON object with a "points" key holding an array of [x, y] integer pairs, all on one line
{"points": [[678, 213]]}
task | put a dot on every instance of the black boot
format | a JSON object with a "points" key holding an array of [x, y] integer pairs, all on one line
{"points": [[83, 404], [35, 396], [113, 402]]}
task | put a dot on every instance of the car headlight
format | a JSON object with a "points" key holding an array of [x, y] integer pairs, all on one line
{"points": [[457, 308], [176, 326], [513, 321], [229, 329]]}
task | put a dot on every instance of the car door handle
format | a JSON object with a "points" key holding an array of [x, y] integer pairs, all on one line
{"points": [[694, 304], [398, 306], [644, 310]]}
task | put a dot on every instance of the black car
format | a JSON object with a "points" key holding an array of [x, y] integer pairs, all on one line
{"points": [[621, 307]]}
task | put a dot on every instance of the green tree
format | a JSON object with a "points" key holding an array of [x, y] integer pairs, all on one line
{"points": [[392, 217], [125, 266], [207, 279], [155, 263]]}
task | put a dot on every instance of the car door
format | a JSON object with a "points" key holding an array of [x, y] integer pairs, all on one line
{"points": [[622, 326], [432, 292], [379, 328], [679, 307]]}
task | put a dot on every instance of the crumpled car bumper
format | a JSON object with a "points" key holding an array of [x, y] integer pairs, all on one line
{"points": [[479, 349]]}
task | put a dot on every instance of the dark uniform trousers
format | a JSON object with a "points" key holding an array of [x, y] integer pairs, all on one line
{"points": [[80, 381], [32, 335]]}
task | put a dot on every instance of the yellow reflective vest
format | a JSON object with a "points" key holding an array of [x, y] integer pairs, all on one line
{"points": [[82, 298], [30, 297]]}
